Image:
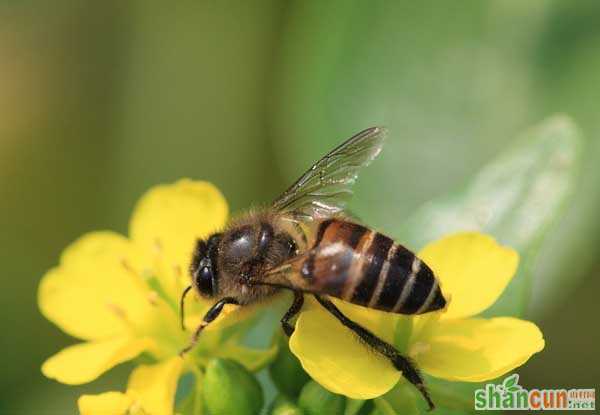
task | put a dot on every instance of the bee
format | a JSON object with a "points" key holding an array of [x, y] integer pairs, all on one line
{"points": [[305, 243]]}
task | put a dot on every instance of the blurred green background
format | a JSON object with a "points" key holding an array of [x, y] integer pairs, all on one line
{"points": [[101, 100]]}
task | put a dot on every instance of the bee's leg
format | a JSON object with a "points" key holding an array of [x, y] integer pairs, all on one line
{"points": [[210, 315], [402, 363], [293, 310]]}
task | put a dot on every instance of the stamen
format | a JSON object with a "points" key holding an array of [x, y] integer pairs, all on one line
{"points": [[121, 314], [178, 275], [158, 247], [127, 267], [153, 298], [177, 270], [117, 310], [137, 278]]}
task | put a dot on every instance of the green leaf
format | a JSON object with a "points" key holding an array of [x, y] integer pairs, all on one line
{"points": [[515, 198]]}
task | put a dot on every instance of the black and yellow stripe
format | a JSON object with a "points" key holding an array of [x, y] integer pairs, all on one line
{"points": [[371, 285], [359, 265]]}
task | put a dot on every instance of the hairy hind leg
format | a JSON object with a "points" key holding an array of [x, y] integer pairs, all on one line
{"points": [[402, 363]]}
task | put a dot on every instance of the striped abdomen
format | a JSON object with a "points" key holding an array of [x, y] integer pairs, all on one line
{"points": [[359, 265]]}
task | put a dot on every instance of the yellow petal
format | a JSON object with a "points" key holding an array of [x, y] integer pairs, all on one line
{"points": [[475, 350], [154, 385], [108, 403], [84, 362], [96, 291], [473, 271], [334, 357], [169, 219]]}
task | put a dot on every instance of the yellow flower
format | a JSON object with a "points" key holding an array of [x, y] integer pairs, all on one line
{"points": [[120, 296], [452, 344]]}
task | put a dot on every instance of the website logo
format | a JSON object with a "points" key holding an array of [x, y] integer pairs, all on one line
{"points": [[509, 395]]}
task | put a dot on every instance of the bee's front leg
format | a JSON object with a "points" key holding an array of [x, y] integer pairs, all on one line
{"points": [[210, 315]]}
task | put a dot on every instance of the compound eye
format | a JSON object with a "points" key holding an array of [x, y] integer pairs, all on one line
{"points": [[204, 281]]}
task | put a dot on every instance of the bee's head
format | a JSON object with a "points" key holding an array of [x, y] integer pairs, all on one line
{"points": [[203, 269]]}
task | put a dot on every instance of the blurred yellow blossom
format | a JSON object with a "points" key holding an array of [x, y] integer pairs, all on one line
{"points": [[120, 296]]}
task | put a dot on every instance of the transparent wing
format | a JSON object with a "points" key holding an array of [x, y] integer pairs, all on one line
{"points": [[325, 188]]}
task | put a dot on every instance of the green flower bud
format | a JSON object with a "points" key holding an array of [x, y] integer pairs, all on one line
{"points": [[230, 389], [283, 406], [316, 400], [286, 371]]}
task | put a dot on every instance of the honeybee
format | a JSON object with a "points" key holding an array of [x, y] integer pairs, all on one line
{"points": [[304, 243]]}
